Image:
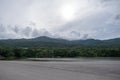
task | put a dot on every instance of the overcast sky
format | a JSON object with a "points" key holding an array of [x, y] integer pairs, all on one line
{"points": [[68, 19]]}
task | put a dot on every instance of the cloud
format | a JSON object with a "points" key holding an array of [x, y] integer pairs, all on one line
{"points": [[117, 17], [2, 28], [99, 19], [41, 32]]}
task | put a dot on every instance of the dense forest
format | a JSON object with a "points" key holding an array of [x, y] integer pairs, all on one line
{"points": [[45, 47], [20, 53]]}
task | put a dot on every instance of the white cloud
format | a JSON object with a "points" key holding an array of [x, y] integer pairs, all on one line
{"points": [[33, 18]]}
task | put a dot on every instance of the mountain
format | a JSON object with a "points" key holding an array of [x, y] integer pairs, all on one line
{"points": [[48, 39], [44, 41]]}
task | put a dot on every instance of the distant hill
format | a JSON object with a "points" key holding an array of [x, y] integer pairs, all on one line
{"points": [[44, 41]]}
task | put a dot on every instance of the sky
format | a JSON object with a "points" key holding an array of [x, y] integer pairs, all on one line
{"points": [[67, 19]]}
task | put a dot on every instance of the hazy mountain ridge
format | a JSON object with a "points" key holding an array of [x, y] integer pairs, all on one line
{"points": [[44, 41]]}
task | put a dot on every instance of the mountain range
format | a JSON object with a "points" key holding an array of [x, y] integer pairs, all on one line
{"points": [[44, 41]]}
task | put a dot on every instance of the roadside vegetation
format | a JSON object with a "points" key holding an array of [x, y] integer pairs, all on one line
{"points": [[7, 53]]}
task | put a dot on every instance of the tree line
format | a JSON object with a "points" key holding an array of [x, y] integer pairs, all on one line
{"points": [[21, 53]]}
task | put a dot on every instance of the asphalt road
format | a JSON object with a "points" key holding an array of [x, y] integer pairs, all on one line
{"points": [[89, 70]]}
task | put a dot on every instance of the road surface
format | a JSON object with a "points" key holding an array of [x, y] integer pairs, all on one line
{"points": [[89, 70]]}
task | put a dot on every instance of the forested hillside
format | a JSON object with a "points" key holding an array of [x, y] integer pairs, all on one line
{"points": [[60, 43], [43, 47]]}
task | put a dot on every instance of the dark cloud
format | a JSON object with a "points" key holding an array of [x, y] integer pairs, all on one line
{"points": [[27, 31], [75, 33], [2, 28], [85, 36], [16, 29], [41, 32], [106, 0], [35, 33], [117, 17]]}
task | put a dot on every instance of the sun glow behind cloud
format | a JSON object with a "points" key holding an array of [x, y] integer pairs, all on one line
{"points": [[68, 12], [72, 10]]}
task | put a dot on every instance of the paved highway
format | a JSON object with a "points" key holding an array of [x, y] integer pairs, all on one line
{"points": [[88, 70]]}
